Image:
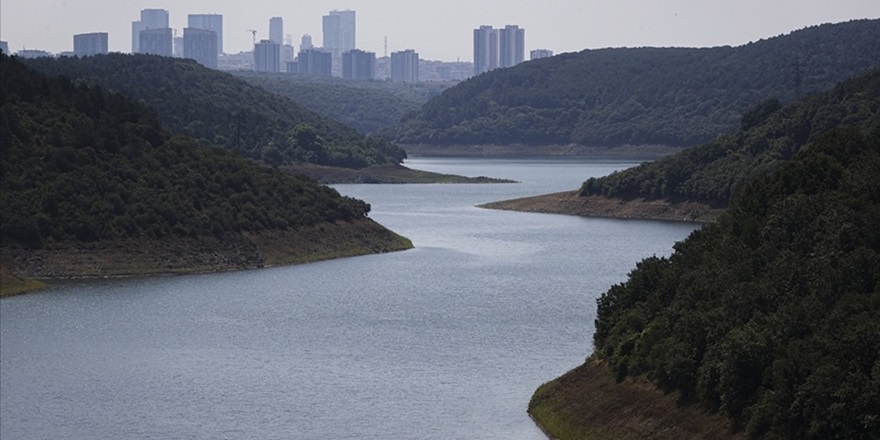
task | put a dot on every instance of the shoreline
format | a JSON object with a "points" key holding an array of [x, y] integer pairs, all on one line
{"points": [[187, 255], [588, 403], [570, 203]]}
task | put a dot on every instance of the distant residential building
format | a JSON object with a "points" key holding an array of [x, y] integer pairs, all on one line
{"points": [[211, 22], [178, 46], [150, 19], [359, 64], [267, 56], [236, 61], [485, 49], [200, 45], [292, 67], [32, 53], [405, 66], [339, 32], [157, 42], [494, 48], [305, 42], [540, 53], [4, 46], [288, 54], [315, 62], [90, 44], [511, 46], [276, 30]]}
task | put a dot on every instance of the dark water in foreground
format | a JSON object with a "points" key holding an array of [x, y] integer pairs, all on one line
{"points": [[446, 341]]}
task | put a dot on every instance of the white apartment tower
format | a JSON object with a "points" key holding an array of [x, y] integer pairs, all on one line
{"points": [[209, 22], [150, 19], [339, 32]]}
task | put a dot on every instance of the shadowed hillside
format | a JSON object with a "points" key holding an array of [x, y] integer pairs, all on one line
{"points": [[640, 96]]}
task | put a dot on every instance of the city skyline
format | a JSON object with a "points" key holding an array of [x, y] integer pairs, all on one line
{"points": [[442, 31]]}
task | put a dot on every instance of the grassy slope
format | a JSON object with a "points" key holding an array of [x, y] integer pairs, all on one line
{"points": [[233, 251], [588, 404]]}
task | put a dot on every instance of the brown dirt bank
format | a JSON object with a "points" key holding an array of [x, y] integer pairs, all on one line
{"points": [[597, 206], [204, 254], [518, 150], [381, 174], [587, 403]]}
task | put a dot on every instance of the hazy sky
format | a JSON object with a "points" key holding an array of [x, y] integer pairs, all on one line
{"points": [[441, 29]]}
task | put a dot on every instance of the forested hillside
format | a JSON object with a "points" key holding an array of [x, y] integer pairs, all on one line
{"points": [[769, 135], [771, 315], [366, 106], [83, 165], [218, 109], [639, 96]]}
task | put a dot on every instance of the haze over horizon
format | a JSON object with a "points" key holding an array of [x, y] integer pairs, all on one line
{"points": [[441, 31]]}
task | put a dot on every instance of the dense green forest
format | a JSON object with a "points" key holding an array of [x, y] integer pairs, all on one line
{"points": [[219, 109], [769, 135], [771, 315], [366, 106], [83, 164], [640, 96]]}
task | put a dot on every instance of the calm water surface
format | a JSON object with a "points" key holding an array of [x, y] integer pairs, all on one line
{"points": [[445, 341]]}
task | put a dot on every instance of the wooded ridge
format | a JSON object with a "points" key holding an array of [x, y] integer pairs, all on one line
{"points": [[640, 96]]}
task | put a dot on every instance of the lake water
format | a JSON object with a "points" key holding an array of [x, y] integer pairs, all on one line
{"points": [[445, 341]]}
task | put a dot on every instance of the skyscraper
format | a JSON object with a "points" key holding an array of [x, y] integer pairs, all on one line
{"points": [[200, 45], [90, 44], [267, 56], [276, 30], [485, 49], [315, 62], [157, 42], [494, 48], [358, 64], [511, 46], [306, 42], [405, 66], [339, 32], [211, 22], [150, 19]]}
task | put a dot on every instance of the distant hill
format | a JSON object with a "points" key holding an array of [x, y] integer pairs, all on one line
{"points": [[219, 109], [87, 173], [769, 135], [366, 106], [640, 96]]}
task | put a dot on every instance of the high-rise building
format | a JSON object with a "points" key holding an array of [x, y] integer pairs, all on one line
{"points": [[405, 66], [200, 45], [150, 19], [4, 46], [305, 42], [288, 54], [211, 22], [339, 32], [540, 53], [267, 56], [90, 44], [511, 46], [178, 46], [157, 42], [315, 62], [276, 30], [358, 64], [485, 49], [494, 48]]}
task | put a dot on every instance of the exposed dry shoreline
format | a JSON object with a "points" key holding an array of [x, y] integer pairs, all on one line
{"points": [[178, 255], [571, 203], [588, 403]]}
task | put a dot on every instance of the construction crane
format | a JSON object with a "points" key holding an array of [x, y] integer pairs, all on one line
{"points": [[254, 33]]}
